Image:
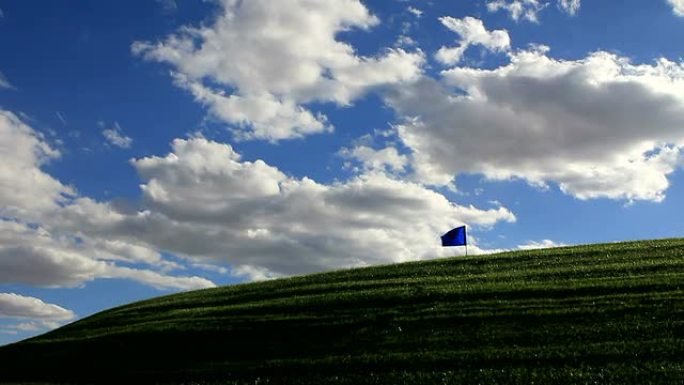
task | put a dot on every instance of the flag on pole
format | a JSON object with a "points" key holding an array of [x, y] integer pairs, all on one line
{"points": [[455, 237]]}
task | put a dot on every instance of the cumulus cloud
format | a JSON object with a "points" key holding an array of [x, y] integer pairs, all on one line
{"points": [[529, 9], [543, 244], [35, 313], [415, 11], [405, 41], [25, 187], [34, 256], [116, 137], [472, 32], [385, 159], [44, 225], [19, 306], [278, 57], [204, 201], [257, 116], [677, 7], [571, 7], [599, 127], [517, 9]]}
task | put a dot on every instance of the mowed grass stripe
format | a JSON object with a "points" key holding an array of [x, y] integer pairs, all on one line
{"points": [[495, 300]]}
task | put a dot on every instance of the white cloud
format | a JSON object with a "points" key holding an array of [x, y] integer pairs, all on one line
{"points": [[25, 187], [415, 11], [279, 56], [472, 32], [571, 7], [529, 9], [19, 306], [386, 159], [258, 116], [210, 267], [525, 9], [600, 127], [158, 280], [45, 234], [543, 244], [130, 252], [38, 257], [254, 273], [34, 256], [405, 41], [204, 201], [116, 137], [36, 314], [677, 7], [24, 327]]}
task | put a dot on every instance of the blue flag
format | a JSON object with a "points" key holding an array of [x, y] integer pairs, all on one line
{"points": [[455, 237]]}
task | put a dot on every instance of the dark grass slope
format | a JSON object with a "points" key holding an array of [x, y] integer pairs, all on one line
{"points": [[597, 314]]}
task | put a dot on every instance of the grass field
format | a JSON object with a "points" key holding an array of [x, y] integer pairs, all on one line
{"points": [[596, 314]]}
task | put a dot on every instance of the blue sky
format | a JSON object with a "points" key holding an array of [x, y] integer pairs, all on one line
{"points": [[152, 147]]}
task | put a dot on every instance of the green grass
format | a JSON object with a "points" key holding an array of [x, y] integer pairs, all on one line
{"points": [[595, 314]]}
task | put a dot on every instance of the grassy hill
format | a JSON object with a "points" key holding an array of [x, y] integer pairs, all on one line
{"points": [[596, 314]]}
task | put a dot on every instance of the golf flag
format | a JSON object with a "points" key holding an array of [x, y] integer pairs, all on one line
{"points": [[455, 237]]}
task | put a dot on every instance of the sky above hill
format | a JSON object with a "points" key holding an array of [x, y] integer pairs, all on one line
{"points": [[158, 146]]}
